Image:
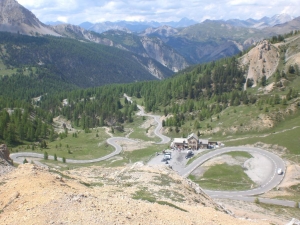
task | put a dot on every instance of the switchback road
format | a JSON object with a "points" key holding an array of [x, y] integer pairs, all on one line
{"points": [[20, 156]]}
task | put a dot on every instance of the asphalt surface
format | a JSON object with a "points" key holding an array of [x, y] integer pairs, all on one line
{"points": [[20, 156], [268, 184], [164, 139], [273, 179]]}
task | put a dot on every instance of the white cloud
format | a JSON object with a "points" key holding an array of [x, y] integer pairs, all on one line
{"points": [[77, 11], [63, 19]]}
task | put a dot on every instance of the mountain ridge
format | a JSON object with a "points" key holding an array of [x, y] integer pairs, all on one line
{"points": [[17, 19]]}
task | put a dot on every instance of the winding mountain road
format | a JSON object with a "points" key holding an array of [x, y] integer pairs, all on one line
{"points": [[273, 180], [113, 141]]}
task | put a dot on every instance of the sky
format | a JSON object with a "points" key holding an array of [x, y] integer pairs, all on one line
{"points": [[78, 11]]}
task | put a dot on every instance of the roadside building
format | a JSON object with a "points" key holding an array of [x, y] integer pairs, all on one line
{"points": [[179, 143], [203, 143], [191, 142]]}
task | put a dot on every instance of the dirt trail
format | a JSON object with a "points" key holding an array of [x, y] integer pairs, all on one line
{"points": [[264, 135]]}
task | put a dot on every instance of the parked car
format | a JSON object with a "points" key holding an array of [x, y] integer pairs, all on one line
{"points": [[279, 171], [189, 154], [167, 156]]}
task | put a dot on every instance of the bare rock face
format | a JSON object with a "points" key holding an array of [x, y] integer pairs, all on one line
{"points": [[14, 14], [4, 153], [5, 161], [17, 19], [261, 60]]}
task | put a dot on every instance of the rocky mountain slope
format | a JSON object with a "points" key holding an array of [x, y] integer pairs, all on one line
{"points": [[5, 161], [264, 58], [17, 19], [207, 41], [172, 48], [130, 195], [285, 27], [134, 26], [77, 63], [261, 61], [263, 22], [150, 48]]}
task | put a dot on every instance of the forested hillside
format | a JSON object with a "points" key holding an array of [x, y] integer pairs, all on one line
{"points": [[81, 64], [196, 96]]}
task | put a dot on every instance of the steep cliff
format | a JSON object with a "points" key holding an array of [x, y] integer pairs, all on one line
{"points": [[261, 61]]}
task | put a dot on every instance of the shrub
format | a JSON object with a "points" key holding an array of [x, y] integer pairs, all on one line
{"points": [[46, 155]]}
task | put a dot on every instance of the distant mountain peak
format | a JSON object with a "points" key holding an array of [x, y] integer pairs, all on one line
{"points": [[263, 22], [17, 19], [13, 13]]}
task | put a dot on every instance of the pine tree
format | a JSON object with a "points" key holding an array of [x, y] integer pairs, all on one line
{"points": [[45, 156]]}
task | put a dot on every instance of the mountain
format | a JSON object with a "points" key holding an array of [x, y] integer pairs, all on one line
{"points": [[277, 19], [134, 26], [149, 47], [86, 25], [184, 22], [206, 41], [79, 63], [284, 28], [17, 19], [261, 23]]}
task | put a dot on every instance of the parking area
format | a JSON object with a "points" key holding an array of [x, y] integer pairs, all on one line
{"points": [[178, 159]]}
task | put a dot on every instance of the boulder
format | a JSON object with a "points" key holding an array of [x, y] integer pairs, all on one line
{"points": [[4, 153]]}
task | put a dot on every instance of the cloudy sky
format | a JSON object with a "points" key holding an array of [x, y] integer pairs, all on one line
{"points": [[78, 11]]}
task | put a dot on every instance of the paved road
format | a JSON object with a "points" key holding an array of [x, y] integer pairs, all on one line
{"points": [[164, 139], [269, 184], [273, 180], [19, 157]]}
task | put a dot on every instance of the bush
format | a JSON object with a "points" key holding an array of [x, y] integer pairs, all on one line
{"points": [[256, 201], [46, 155], [297, 205]]}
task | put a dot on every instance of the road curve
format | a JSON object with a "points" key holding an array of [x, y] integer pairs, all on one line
{"points": [[19, 157], [164, 139], [267, 185]]}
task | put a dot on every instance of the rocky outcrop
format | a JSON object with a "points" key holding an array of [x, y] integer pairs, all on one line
{"points": [[77, 32], [260, 61], [167, 56], [17, 19], [5, 161], [4, 153]]}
